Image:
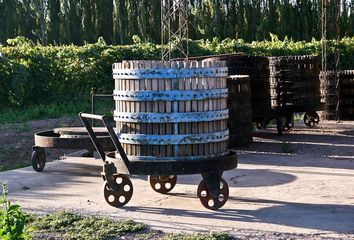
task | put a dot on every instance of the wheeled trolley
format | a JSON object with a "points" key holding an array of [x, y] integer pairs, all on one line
{"points": [[65, 138], [337, 93], [294, 87], [212, 191], [68, 138]]}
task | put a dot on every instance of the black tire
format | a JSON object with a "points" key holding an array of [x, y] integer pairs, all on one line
{"points": [[38, 159]]}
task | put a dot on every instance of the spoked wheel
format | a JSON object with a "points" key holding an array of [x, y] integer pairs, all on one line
{"points": [[208, 200], [163, 184], [311, 119], [38, 159], [120, 194], [287, 123]]}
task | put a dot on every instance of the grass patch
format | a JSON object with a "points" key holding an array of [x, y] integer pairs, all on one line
{"points": [[37, 112], [67, 225], [17, 165], [21, 165], [53, 110], [298, 117]]}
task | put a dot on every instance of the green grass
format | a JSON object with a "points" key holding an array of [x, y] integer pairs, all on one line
{"points": [[37, 112], [67, 225], [17, 166], [3, 168], [53, 110], [298, 117]]}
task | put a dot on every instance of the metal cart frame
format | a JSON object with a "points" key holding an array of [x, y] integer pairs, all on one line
{"points": [[212, 191]]}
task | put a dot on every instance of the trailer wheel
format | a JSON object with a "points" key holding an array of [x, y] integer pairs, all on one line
{"points": [[38, 159], [213, 202], [311, 119], [119, 194], [163, 184]]}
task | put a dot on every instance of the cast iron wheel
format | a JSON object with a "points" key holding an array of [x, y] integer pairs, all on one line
{"points": [[287, 123], [311, 119], [210, 202], [163, 184], [122, 193], [38, 159]]}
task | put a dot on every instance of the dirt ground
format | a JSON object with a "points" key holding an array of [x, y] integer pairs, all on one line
{"points": [[17, 139], [328, 139]]}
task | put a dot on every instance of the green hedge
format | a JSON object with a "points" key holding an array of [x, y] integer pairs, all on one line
{"points": [[32, 74]]}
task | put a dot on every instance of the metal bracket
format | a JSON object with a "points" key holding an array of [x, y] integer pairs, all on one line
{"points": [[108, 175], [115, 140], [212, 181], [151, 139], [174, 95], [177, 158], [174, 117], [34, 148], [159, 73]]}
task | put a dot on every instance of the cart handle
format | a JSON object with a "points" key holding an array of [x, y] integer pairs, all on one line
{"points": [[112, 134]]}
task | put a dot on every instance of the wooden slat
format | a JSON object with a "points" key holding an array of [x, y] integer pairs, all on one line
{"points": [[188, 108], [136, 147], [124, 107], [216, 107], [205, 85], [131, 106], [200, 125], [174, 86], [182, 108], [168, 106], [162, 109], [210, 108], [149, 107], [155, 109], [194, 108], [143, 126]]}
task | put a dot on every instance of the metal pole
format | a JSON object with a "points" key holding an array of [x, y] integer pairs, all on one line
{"points": [[93, 108], [337, 59], [174, 28]]}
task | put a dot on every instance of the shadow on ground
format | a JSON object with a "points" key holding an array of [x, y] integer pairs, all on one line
{"points": [[325, 217]]}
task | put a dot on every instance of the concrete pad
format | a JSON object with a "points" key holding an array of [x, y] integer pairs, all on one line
{"points": [[268, 192], [310, 191]]}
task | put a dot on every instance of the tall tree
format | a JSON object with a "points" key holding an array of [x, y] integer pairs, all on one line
{"points": [[105, 19], [121, 21], [88, 15], [83, 21], [26, 20], [53, 25]]}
